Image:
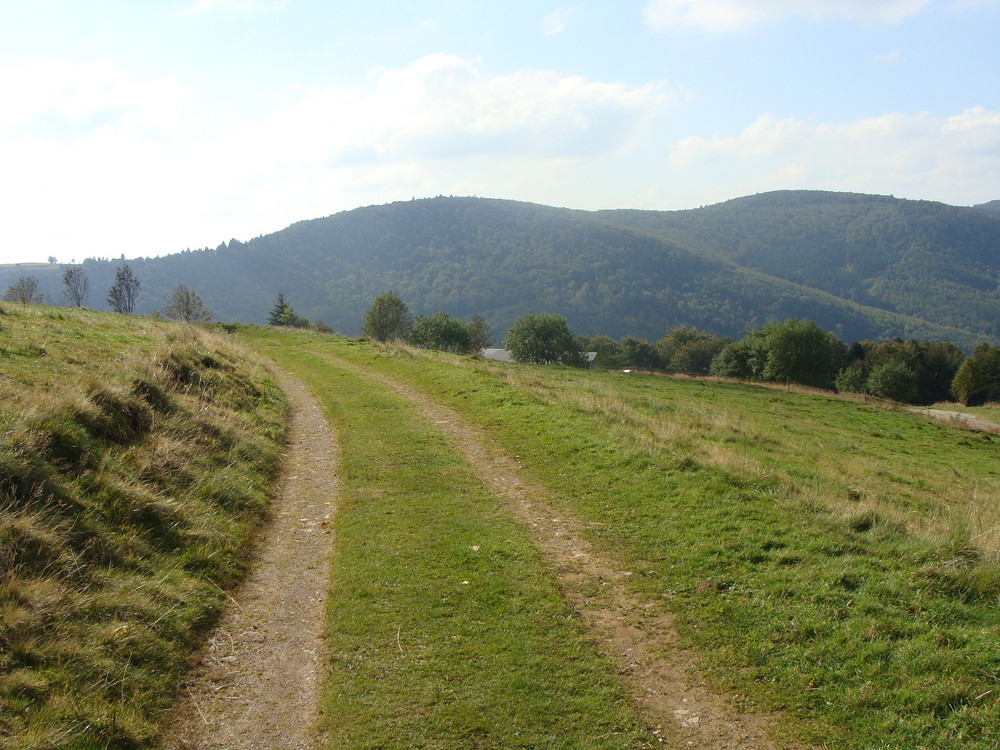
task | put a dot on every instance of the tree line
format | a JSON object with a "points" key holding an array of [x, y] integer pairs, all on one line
{"points": [[183, 304], [789, 351]]}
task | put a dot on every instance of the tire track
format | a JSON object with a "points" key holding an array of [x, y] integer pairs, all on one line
{"points": [[639, 638], [257, 682]]}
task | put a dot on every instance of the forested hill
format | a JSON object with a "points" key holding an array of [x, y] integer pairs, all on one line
{"points": [[930, 260], [617, 273], [993, 207]]}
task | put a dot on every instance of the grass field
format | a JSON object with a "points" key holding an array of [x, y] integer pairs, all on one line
{"points": [[830, 560], [136, 463], [834, 564], [445, 629]]}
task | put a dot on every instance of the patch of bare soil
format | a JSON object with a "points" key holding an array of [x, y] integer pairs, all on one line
{"points": [[639, 637], [256, 684]]}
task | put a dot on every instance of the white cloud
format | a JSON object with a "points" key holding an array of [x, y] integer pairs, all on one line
{"points": [[730, 15], [443, 107], [556, 22], [953, 159], [128, 166], [75, 99]]}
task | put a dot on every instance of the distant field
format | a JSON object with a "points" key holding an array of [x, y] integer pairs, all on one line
{"points": [[834, 561]]}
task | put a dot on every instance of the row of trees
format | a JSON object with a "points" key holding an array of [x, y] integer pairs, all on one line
{"points": [[788, 351], [682, 349], [913, 372], [390, 319], [799, 351], [183, 304]]}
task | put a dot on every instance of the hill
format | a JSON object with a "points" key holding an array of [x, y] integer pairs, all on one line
{"points": [[862, 266], [933, 261], [992, 207]]}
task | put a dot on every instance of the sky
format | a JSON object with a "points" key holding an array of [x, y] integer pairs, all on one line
{"points": [[145, 128]]}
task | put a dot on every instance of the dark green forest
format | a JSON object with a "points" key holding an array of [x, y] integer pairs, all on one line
{"points": [[862, 267], [919, 258]]}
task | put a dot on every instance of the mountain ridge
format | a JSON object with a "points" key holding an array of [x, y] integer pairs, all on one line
{"points": [[861, 266]]}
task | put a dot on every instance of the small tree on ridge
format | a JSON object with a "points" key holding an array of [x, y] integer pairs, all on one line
{"points": [[77, 285], [388, 319], [187, 306], [25, 290], [121, 296]]}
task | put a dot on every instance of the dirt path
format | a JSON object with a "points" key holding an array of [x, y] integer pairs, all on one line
{"points": [[640, 639], [960, 419], [257, 683]]}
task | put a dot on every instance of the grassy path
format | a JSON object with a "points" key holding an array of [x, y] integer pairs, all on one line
{"points": [[446, 630], [637, 636], [812, 552]]}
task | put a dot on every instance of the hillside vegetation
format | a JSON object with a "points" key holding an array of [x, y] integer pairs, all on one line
{"points": [[860, 266], [929, 260], [832, 561], [136, 464]]}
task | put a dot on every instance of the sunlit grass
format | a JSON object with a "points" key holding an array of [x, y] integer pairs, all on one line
{"points": [[831, 559], [445, 630]]}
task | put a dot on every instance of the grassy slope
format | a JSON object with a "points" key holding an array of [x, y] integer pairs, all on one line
{"points": [[445, 630], [136, 459], [831, 559]]}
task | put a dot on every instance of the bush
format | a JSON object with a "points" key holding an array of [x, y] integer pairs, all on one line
{"points": [[893, 381], [542, 339], [850, 380]]}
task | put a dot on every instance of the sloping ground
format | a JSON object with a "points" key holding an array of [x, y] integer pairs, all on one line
{"points": [[831, 560], [136, 464], [636, 636]]}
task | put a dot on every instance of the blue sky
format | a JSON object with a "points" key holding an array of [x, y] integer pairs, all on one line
{"points": [[147, 128]]}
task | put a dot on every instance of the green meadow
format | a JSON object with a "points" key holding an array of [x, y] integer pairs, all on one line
{"points": [[833, 564]]}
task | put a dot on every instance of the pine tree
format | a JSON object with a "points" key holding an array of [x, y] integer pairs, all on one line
{"points": [[280, 313]]}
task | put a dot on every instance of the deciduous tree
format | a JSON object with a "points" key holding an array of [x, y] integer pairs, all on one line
{"points": [[187, 306], [978, 378], [542, 339], [388, 319], [76, 285], [25, 290], [480, 334], [892, 380], [443, 332], [121, 296], [798, 351]]}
